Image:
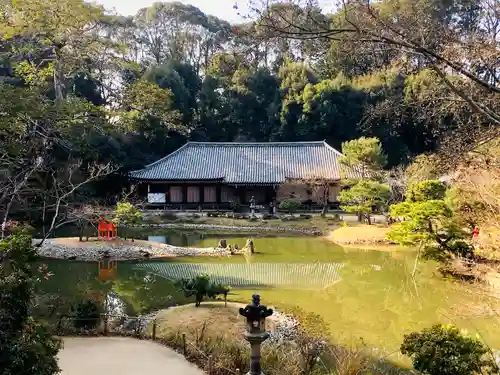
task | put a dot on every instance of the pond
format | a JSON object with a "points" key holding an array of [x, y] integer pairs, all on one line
{"points": [[359, 294]]}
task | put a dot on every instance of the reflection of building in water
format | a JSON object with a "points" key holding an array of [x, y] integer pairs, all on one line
{"points": [[294, 275], [107, 269]]}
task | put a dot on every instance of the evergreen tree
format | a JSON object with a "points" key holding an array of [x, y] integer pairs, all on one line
{"points": [[26, 346]]}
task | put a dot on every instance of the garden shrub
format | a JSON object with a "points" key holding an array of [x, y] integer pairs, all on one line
{"points": [[235, 206], [253, 218], [13, 227], [289, 205], [311, 323], [201, 286], [86, 315], [426, 190], [305, 216], [168, 216], [127, 214], [444, 350]]}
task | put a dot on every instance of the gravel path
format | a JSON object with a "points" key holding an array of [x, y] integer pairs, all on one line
{"points": [[121, 356]]}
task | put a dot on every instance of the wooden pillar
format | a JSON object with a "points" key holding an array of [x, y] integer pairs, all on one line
{"points": [[184, 193], [241, 194], [202, 193], [218, 189], [167, 194]]}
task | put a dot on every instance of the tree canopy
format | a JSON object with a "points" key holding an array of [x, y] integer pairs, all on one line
{"points": [[82, 88]]}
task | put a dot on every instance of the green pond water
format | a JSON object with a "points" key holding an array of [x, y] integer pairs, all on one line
{"points": [[359, 294]]}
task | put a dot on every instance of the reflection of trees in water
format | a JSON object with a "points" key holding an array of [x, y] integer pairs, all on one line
{"points": [[132, 291], [143, 292], [72, 283]]}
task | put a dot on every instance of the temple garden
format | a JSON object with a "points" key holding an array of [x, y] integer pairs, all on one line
{"points": [[358, 297]]}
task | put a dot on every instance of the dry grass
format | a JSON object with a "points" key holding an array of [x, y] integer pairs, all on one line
{"points": [[217, 331], [360, 235], [488, 243], [217, 319]]}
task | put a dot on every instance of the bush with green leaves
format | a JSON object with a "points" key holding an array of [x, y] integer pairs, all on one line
{"points": [[365, 196], [201, 287], [445, 350], [26, 346], [421, 221], [425, 191], [235, 206], [429, 223], [127, 214], [290, 205]]}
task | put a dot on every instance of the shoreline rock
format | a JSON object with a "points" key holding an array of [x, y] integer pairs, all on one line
{"points": [[259, 228], [134, 251]]}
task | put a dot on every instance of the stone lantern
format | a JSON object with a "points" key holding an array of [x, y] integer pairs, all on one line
{"points": [[252, 205], [256, 334]]}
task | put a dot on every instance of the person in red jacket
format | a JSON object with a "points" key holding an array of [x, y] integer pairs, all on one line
{"points": [[475, 232]]}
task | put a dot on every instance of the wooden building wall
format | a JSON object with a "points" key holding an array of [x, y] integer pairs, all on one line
{"points": [[212, 194]]}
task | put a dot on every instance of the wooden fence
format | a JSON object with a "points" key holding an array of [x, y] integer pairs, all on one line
{"points": [[142, 328]]}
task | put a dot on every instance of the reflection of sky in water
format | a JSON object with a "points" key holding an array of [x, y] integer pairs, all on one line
{"points": [[298, 275], [157, 239]]}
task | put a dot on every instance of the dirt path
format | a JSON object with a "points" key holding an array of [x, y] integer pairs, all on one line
{"points": [[121, 356]]}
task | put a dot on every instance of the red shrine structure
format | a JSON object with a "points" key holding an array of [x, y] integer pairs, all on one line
{"points": [[106, 230], [107, 269]]}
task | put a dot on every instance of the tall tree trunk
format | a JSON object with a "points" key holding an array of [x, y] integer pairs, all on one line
{"points": [[44, 213], [58, 79], [324, 210], [80, 230], [6, 215], [52, 223]]}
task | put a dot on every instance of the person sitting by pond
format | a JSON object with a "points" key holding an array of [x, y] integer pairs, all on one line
{"points": [[235, 246]]}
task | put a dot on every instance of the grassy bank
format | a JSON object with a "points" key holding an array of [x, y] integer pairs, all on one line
{"points": [[360, 234], [217, 331]]}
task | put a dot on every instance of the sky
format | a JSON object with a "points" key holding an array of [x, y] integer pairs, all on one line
{"points": [[220, 8]]}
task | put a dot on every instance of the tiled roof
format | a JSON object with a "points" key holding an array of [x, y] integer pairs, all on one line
{"points": [[240, 163]]}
